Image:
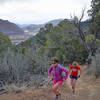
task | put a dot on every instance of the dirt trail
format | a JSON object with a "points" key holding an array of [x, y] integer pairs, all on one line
{"points": [[87, 88]]}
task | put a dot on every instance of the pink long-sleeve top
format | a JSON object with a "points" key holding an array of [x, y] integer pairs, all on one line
{"points": [[57, 72]]}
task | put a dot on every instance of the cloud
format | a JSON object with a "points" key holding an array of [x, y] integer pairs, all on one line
{"points": [[40, 11], [7, 1]]}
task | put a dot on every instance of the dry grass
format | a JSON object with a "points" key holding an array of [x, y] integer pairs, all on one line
{"points": [[14, 89], [87, 88]]}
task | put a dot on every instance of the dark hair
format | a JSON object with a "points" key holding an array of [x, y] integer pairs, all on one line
{"points": [[55, 60]]}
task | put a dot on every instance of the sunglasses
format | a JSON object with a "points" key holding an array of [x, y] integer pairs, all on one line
{"points": [[54, 63]]}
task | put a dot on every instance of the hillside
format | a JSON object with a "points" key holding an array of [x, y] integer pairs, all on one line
{"points": [[88, 88], [9, 28], [55, 22], [33, 28]]}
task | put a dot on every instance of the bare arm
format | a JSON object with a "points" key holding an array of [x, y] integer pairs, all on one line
{"points": [[80, 71], [70, 70]]}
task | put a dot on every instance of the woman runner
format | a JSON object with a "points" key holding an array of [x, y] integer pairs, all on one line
{"points": [[74, 74], [58, 78]]}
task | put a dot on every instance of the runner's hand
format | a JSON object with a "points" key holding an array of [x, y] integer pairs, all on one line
{"points": [[49, 78], [78, 76], [64, 80], [70, 76]]}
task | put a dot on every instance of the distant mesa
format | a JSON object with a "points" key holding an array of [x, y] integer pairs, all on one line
{"points": [[35, 28], [9, 28], [55, 22]]}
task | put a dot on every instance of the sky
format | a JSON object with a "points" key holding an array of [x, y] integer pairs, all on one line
{"points": [[41, 11]]}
